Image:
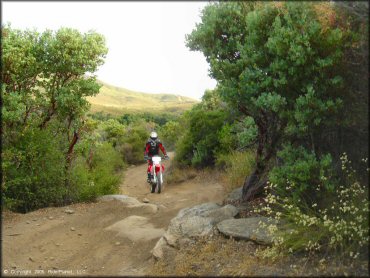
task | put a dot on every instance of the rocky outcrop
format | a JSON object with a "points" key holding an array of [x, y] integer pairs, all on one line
{"points": [[136, 228], [129, 202], [234, 196], [247, 229], [190, 223]]}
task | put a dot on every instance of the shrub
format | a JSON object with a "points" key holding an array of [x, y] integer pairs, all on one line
{"points": [[300, 173], [170, 133], [134, 143], [102, 178], [33, 172], [340, 225], [201, 141]]}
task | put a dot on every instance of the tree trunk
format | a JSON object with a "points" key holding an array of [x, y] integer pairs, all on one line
{"points": [[70, 149], [268, 139]]}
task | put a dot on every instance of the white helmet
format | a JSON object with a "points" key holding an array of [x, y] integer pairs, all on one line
{"points": [[154, 135]]}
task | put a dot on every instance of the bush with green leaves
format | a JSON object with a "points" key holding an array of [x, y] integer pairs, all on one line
{"points": [[33, 172], [206, 132], [169, 133], [102, 177], [300, 174], [335, 222], [201, 141]]}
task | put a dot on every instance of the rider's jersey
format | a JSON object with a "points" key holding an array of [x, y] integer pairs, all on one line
{"points": [[152, 147]]}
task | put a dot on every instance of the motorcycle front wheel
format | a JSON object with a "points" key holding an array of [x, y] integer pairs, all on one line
{"points": [[159, 183]]}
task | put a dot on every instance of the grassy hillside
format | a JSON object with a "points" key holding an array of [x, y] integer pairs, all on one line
{"points": [[115, 100]]}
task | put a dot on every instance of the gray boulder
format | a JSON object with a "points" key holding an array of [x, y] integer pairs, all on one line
{"points": [[122, 198], [193, 222], [235, 195], [129, 202], [247, 229]]}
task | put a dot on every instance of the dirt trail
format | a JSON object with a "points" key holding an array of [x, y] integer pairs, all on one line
{"points": [[103, 238]]}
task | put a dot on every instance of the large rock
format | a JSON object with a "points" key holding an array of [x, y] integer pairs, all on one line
{"points": [[136, 228], [129, 202], [248, 229], [162, 249], [235, 195], [191, 223]]}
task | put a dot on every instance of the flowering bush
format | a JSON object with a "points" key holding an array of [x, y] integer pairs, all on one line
{"points": [[340, 223]]}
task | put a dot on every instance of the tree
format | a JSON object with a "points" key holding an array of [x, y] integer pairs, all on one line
{"points": [[45, 81], [47, 76], [278, 64]]}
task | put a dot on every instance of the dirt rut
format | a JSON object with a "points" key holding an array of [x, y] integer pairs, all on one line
{"points": [[103, 238]]}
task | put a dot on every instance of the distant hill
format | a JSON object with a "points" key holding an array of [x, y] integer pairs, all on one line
{"points": [[115, 100]]}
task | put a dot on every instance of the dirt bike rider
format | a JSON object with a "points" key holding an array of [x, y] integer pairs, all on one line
{"points": [[152, 147]]}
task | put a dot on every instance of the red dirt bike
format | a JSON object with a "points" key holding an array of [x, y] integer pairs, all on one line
{"points": [[156, 170]]}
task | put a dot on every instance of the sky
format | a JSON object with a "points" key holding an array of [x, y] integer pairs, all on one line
{"points": [[145, 40]]}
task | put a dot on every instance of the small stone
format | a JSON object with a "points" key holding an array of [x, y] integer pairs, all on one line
{"points": [[73, 229], [52, 258], [14, 266], [58, 244], [79, 234], [51, 217], [85, 267], [145, 200], [28, 222], [117, 243], [69, 211], [37, 224], [34, 219], [30, 258]]}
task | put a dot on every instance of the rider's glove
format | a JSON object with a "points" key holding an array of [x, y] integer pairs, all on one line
{"points": [[166, 157], [146, 157]]}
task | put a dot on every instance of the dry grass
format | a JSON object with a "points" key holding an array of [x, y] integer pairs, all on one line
{"points": [[207, 257], [237, 165], [178, 175], [219, 256]]}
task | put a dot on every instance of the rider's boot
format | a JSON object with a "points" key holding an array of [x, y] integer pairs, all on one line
{"points": [[149, 177]]}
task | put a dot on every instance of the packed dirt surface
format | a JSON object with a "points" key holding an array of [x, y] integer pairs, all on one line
{"points": [[102, 238]]}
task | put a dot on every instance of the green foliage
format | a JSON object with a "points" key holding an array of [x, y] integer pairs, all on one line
{"points": [[201, 141], [44, 74], [301, 173], [287, 67], [157, 118], [246, 132], [102, 177], [227, 139], [45, 81], [205, 132], [33, 172], [170, 133], [339, 224], [134, 143]]}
